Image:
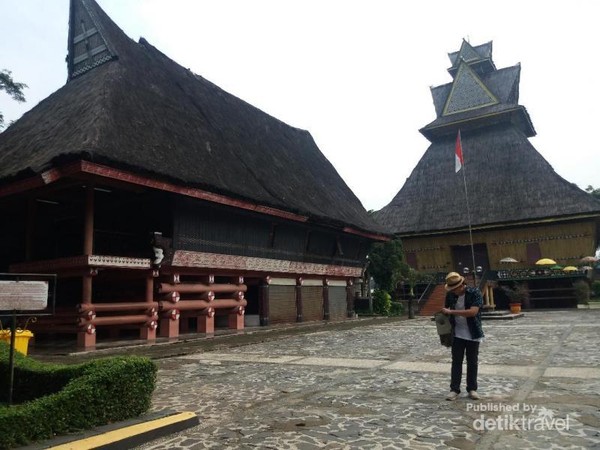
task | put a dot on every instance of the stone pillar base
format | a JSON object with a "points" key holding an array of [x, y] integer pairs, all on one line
{"points": [[148, 333], [169, 328], [236, 321], [86, 340], [206, 324]]}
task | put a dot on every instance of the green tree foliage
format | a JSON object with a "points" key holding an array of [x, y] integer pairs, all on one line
{"points": [[387, 264], [12, 88], [593, 192], [382, 302]]}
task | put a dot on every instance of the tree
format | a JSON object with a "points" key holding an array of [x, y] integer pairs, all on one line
{"points": [[12, 88], [594, 192], [386, 264]]}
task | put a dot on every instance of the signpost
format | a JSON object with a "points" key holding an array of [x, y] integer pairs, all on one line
{"points": [[23, 295]]}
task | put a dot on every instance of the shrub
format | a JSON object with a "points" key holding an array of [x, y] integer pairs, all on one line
{"points": [[596, 289], [382, 302], [74, 397], [396, 309], [518, 293], [32, 379], [582, 292]]}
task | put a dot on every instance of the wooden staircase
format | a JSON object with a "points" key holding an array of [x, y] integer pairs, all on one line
{"points": [[435, 302]]}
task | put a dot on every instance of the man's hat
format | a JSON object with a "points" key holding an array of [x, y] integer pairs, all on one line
{"points": [[453, 280]]}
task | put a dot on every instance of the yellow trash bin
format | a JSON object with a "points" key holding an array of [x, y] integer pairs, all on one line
{"points": [[21, 339]]}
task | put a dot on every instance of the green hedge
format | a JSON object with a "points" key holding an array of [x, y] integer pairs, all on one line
{"points": [[382, 302], [50, 399]]}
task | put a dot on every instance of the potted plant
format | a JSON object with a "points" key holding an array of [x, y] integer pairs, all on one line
{"points": [[517, 294]]}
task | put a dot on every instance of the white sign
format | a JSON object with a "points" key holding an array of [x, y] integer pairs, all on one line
{"points": [[23, 295]]}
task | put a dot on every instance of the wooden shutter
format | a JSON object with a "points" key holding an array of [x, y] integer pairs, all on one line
{"points": [[338, 304], [282, 304], [312, 303]]}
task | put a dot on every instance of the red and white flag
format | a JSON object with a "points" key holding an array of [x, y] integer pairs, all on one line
{"points": [[458, 155]]}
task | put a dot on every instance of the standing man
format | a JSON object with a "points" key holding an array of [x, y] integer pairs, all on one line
{"points": [[462, 305]]}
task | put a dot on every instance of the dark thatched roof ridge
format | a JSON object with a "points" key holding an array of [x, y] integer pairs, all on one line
{"points": [[507, 179], [145, 113]]}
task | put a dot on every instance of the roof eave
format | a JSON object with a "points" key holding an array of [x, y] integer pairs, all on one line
{"points": [[497, 225], [517, 115]]}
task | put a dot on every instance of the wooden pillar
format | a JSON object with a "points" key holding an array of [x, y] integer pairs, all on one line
{"points": [[206, 321], [263, 302], [325, 299], [235, 317], [86, 338], [299, 299], [350, 298], [147, 332], [169, 327], [86, 289], [88, 222], [30, 228], [169, 323]]}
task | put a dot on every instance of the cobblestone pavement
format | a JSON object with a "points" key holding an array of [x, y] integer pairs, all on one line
{"points": [[383, 386]]}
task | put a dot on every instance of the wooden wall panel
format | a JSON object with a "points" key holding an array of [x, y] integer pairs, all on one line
{"points": [[338, 304], [564, 242], [282, 304], [312, 303]]}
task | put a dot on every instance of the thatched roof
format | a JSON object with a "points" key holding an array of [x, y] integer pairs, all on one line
{"points": [[129, 106], [507, 179]]}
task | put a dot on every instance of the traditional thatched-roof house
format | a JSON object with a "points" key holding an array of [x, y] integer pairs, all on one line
{"points": [[519, 206], [135, 145]]}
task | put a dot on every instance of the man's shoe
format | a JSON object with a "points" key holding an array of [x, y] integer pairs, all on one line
{"points": [[473, 395], [452, 396]]}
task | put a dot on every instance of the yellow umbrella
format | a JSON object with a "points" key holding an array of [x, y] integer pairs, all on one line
{"points": [[570, 269], [545, 262]]}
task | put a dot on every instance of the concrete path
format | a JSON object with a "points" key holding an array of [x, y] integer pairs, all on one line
{"points": [[383, 386]]}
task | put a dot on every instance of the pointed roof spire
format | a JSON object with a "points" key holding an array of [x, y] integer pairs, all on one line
{"points": [[478, 57], [89, 44], [478, 96]]}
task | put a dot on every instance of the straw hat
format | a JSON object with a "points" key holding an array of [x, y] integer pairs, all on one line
{"points": [[453, 280]]}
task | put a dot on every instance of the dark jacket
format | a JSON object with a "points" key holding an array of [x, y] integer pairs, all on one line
{"points": [[472, 298]]}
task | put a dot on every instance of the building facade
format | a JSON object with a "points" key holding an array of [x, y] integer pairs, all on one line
{"points": [[166, 205], [506, 203]]}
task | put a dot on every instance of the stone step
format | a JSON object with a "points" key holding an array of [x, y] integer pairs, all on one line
{"points": [[500, 315]]}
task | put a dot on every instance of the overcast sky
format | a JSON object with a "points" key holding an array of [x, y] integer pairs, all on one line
{"points": [[356, 74]]}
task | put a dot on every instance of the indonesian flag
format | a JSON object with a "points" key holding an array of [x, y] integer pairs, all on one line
{"points": [[458, 155]]}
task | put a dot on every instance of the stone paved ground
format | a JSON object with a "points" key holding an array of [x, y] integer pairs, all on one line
{"points": [[382, 386]]}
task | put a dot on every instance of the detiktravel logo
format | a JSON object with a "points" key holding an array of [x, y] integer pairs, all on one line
{"points": [[516, 416]]}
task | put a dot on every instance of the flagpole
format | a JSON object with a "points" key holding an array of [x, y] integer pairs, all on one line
{"points": [[464, 170]]}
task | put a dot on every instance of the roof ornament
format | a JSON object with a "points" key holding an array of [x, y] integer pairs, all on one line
{"points": [[88, 47]]}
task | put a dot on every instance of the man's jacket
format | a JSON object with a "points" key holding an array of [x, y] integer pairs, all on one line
{"points": [[472, 298]]}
